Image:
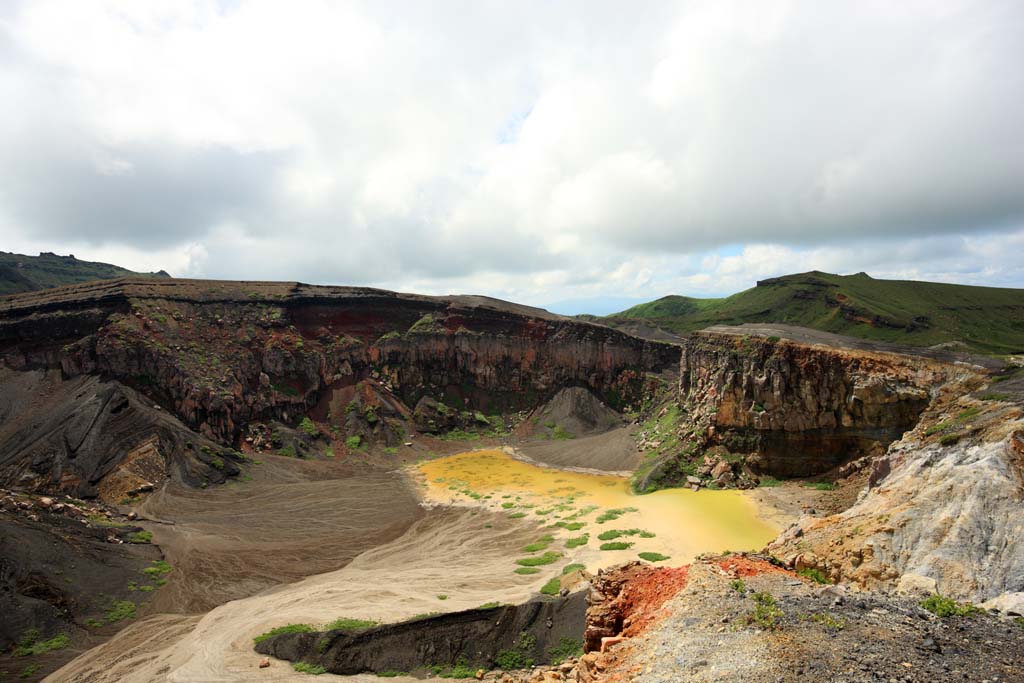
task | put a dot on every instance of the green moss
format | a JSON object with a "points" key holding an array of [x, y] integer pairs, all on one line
{"points": [[353, 442], [552, 586]]}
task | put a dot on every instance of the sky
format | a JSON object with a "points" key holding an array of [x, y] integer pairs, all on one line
{"points": [[576, 155]]}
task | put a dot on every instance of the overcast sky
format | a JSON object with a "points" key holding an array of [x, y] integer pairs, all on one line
{"points": [[537, 151]]}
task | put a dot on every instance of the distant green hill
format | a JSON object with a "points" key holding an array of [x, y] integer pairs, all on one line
{"points": [[986, 319], [19, 273]]}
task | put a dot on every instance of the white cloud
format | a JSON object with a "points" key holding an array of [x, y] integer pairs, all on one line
{"points": [[534, 151]]}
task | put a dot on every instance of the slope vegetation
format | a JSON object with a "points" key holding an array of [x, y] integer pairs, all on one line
{"points": [[986, 319], [20, 273]]}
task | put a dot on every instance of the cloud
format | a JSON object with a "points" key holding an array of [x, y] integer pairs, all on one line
{"points": [[551, 152]]}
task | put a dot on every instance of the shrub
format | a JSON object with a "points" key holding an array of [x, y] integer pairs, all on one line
{"points": [[353, 442], [653, 557], [766, 613], [307, 668], [738, 585], [307, 426], [829, 622], [288, 451], [562, 434], [517, 656], [943, 607], [552, 587], [814, 574], [616, 545], [288, 628]]}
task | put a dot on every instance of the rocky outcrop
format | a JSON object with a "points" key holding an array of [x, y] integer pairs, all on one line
{"points": [[222, 354], [802, 409], [87, 437], [524, 634], [942, 511]]}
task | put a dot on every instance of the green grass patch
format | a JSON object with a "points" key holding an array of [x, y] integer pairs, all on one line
{"points": [[350, 624], [617, 545], [157, 568], [562, 434], [570, 568], [814, 574], [577, 541], [567, 648], [353, 442], [552, 587], [571, 526], [766, 613], [517, 656], [538, 545], [307, 668], [820, 486], [738, 585], [547, 558], [119, 610], [30, 643], [442, 596], [288, 628], [612, 534], [141, 537], [517, 515], [769, 482], [653, 557], [489, 605], [613, 514], [391, 674], [527, 570], [942, 606], [29, 671], [460, 669]]}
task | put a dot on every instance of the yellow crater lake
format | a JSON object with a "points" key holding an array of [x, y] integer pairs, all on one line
{"points": [[572, 504]]}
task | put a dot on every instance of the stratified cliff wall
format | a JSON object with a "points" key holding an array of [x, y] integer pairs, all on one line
{"points": [[752, 404], [221, 354]]}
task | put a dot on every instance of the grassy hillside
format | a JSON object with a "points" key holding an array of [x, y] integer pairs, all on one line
{"points": [[19, 273], [986, 319]]}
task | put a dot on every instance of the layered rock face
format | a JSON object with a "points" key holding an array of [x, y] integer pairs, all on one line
{"points": [[801, 409], [220, 355]]}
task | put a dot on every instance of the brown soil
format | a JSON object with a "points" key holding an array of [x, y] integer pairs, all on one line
{"points": [[294, 519]]}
